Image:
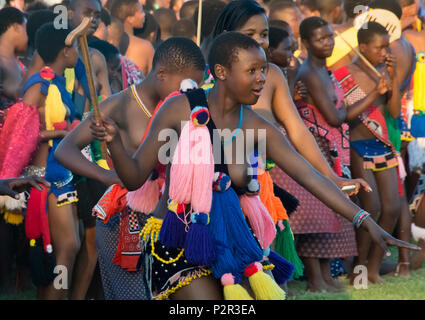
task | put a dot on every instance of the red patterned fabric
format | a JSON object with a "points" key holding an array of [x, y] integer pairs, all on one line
{"points": [[131, 74]]}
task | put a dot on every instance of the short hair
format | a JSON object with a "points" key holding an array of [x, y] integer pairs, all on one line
{"points": [[36, 5], [35, 20], [73, 4], [108, 50], [184, 28], [179, 54], [309, 25], [188, 9], [390, 5], [235, 14], [8, 17], [276, 36], [225, 49], [105, 17], [211, 10], [123, 9], [49, 41], [279, 24], [366, 35], [149, 26], [350, 7], [166, 19]]}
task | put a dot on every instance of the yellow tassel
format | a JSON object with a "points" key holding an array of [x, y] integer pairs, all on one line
{"points": [[236, 292], [13, 217], [103, 164], [264, 287]]}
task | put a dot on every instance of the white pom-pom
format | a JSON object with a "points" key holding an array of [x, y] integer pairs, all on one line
{"points": [[188, 84]]}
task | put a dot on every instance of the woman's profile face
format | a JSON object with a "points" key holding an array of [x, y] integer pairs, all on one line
{"points": [[257, 27]]}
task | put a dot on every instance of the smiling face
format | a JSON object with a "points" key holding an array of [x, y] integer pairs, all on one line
{"points": [[321, 42], [257, 28], [246, 76]]}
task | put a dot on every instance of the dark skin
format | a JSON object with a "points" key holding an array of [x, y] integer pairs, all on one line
{"points": [[131, 121], [12, 42], [240, 84], [62, 220], [276, 105], [12, 187], [321, 93], [383, 202]]}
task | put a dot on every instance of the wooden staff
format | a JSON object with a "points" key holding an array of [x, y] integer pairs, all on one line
{"points": [[198, 33], [360, 55], [80, 32]]}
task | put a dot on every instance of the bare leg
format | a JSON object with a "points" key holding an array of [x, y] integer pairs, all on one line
{"points": [[333, 284], [63, 223], [85, 265], [390, 203], [418, 257], [403, 231], [315, 281], [369, 202], [206, 288]]}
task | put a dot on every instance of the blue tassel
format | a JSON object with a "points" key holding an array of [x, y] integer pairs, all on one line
{"points": [[199, 246], [173, 233], [283, 269], [230, 230]]}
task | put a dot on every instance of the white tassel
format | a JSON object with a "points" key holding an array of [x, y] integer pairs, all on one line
{"points": [[13, 204]]}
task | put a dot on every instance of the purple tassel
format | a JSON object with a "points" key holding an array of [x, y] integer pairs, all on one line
{"points": [[173, 233], [283, 269], [199, 246]]}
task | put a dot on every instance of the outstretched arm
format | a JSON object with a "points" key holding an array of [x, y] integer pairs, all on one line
{"points": [[322, 188]]}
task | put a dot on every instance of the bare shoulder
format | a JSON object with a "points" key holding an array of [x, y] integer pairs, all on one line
{"points": [[274, 73], [141, 43], [255, 120], [114, 106], [33, 95], [174, 111], [98, 59]]}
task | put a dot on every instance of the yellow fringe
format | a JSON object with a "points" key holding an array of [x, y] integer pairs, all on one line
{"points": [[13, 217], [65, 203], [182, 284], [236, 292], [268, 267], [103, 164], [382, 169]]}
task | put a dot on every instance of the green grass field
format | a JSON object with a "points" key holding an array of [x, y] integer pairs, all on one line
{"points": [[394, 288]]}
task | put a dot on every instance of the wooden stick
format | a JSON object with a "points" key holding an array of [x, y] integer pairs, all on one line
{"points": [[371, 67], [198, 33], [80, 32]]}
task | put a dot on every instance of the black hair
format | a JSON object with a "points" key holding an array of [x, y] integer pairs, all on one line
{"points": [[279, 5], [276, 36], [326, 6], [149, 26], [369, 31], [179, 54], [73, 4], [184, 28], [211, 10], [36, 5], [35, 20], [225, 48], [235, 14], [188, 9], [390, 5], [351, 5], [8, 17], [280, 24], [166, 18], [49, 41], [105, 17], [309, 25], [108, 50], [122, 9]]}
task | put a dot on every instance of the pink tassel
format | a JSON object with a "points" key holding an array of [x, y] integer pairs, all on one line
{"points": [[181, 175], [18, 139], [144, 199], [202, 157], [260, 220]]}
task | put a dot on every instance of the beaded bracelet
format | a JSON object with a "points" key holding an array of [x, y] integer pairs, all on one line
{"points": [[360, 217]]}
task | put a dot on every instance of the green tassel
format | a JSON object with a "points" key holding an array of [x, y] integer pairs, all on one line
{"points": [[286, 248]]}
